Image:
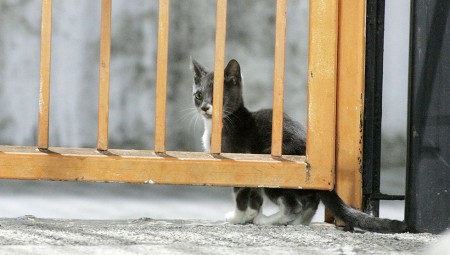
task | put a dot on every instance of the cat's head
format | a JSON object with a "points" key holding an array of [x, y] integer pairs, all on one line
{"points": [[203, 88]]}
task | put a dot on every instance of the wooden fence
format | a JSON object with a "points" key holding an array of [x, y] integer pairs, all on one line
{"points": [[334, 120]]}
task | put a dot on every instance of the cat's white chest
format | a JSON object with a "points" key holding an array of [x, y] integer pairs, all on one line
{"points": [[206, 138]]}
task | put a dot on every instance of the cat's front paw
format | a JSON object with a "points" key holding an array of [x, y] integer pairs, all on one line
{"points": [[235, 217], [241, 217], [275, 219], [286, 219], [261, 219]]}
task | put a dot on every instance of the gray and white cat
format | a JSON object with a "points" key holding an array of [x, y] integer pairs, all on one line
{"points": [[250, 132]]}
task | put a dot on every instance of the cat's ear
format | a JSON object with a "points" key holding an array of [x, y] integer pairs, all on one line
{"points": [[197, 68], [233, 72]]}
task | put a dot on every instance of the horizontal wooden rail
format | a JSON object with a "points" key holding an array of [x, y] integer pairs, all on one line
{"points": [[132, 166]]}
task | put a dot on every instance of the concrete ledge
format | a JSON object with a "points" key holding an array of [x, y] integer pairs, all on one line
{"points": [[30, 235]]}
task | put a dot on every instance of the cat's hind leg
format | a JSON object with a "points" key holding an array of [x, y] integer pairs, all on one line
{"points": [[308, 203], [304, 217], [248, 205], [283, 217]]}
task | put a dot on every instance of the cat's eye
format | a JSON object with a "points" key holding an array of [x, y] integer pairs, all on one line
{"points": [[198, 96]]}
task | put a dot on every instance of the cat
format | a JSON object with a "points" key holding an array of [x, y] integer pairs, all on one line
{"points": [[250, 132]]}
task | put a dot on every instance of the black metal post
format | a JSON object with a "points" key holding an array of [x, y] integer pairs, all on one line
{"points": [[427, 207], [373, 104]]}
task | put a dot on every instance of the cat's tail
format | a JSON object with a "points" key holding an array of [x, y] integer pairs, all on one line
{"points": [[355, 218]]}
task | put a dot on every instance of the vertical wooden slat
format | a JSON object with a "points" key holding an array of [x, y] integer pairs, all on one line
{"points": [[44, 91], [103, 96], [350, 103], [221, 24], [322, 80], [278, 81], [161, 77]]}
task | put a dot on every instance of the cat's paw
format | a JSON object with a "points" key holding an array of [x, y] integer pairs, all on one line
{"points": [[235, 217], [250, 214], [261, 219], [241, 217], [275, 219], [286, 219]]}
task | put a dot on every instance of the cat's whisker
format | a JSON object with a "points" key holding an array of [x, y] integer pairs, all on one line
{"points": [[186, 112], [184, 117], [189, 118], [189, 112], [194, 121], [225, 123], [225, 118], [189, 109], [231, 114], [229, 121]]}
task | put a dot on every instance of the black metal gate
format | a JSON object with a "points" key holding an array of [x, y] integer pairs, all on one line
{"points": [[428, 159], [428, 180]]}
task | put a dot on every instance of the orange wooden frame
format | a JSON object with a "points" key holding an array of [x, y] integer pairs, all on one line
{"points": [[350, 101], [315, 170]]}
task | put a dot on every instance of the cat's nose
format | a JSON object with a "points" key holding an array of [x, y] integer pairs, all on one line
{"points": [[205, 108]]}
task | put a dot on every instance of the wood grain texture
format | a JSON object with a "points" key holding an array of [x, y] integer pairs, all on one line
{"points": [[77, 164], [315, 171], [322, 81], [219, 59], [44, 83], [278, 81], [350, 102], [105, 60], [161, 76]]}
